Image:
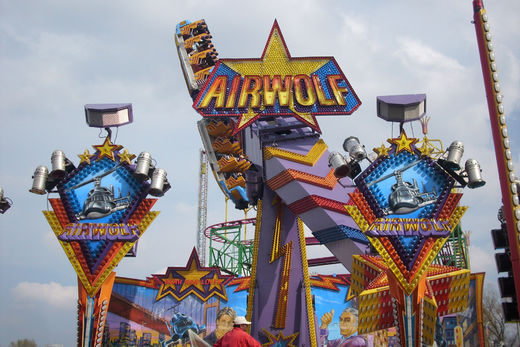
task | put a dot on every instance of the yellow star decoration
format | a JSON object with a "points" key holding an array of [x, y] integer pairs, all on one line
{"points": [[215, 282], [382, 151], [168, 283], [192, 277], [425, 150], [247, 117], [85, 157], [276, 60], [403, 143], [107, 149], [126, 157]]}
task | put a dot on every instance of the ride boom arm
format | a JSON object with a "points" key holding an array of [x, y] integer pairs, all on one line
{"points": [[508, 182]]}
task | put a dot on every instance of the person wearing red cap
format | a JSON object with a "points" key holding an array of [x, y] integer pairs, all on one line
{"points": [[238, 337]]}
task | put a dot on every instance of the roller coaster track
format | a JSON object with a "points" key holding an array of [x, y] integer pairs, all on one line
{"points": [[212, 232]]}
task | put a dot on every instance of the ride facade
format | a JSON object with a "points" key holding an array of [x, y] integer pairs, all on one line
{"points": [[394, 216]]}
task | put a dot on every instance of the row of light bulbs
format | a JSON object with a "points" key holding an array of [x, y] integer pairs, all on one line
{"points": [[513, 181]]}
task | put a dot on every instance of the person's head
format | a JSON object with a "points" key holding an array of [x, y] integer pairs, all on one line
{"points": [[242, 323], [225, 318], [348, 321]]}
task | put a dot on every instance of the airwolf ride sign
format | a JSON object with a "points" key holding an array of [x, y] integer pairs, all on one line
{"points": [[276, 84]]}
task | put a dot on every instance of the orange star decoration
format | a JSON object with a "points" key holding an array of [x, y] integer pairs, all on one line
{"points": [[382, 151], [203, 282], [85, 157], [280, 339], [126, 157], [403, 143], [107, 149]]}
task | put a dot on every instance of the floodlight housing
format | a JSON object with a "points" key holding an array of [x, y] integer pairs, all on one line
{"points": [[473, 171], [144, 163], [353, 147], [108, 115], [455, 152], [340, 165], [401, 108], [158, 182], [58, 161], [40, 177]]}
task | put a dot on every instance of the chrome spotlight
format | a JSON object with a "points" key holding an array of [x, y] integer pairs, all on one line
{"points": [[58, 161], [340, 165], [473, 171], [39, 180], [354, 148], [144, 161], [157, 184], [455, 152]]}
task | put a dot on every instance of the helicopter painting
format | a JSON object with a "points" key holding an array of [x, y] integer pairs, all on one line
{"points": [[405, 196], [179, 327], [101, 201]]}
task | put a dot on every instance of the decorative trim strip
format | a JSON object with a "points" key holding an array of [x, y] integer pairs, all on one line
{"points": [[307, 285], [278, 252], [313, 201], [308, 159], [340, 232], [256, 243], [287, 176]]}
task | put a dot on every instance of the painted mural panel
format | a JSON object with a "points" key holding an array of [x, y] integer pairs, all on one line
{"points": [[139, 315]]}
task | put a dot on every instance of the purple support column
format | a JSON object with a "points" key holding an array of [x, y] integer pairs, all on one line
{"points": [[280, 304]]}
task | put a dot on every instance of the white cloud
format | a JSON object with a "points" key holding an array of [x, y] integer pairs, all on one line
{"points": [[53, 294], [415, 52]]}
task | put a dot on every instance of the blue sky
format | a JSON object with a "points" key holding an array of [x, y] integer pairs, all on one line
{"points": [[56, 56]]}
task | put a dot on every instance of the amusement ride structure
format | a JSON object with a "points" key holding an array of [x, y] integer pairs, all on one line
{"points": [[260, 134], [391, 217]]}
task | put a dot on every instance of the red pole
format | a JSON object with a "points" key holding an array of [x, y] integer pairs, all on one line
{"points": [[500, 138]]}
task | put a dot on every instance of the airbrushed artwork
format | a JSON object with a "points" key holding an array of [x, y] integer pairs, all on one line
{"points": [[138, 311]]}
